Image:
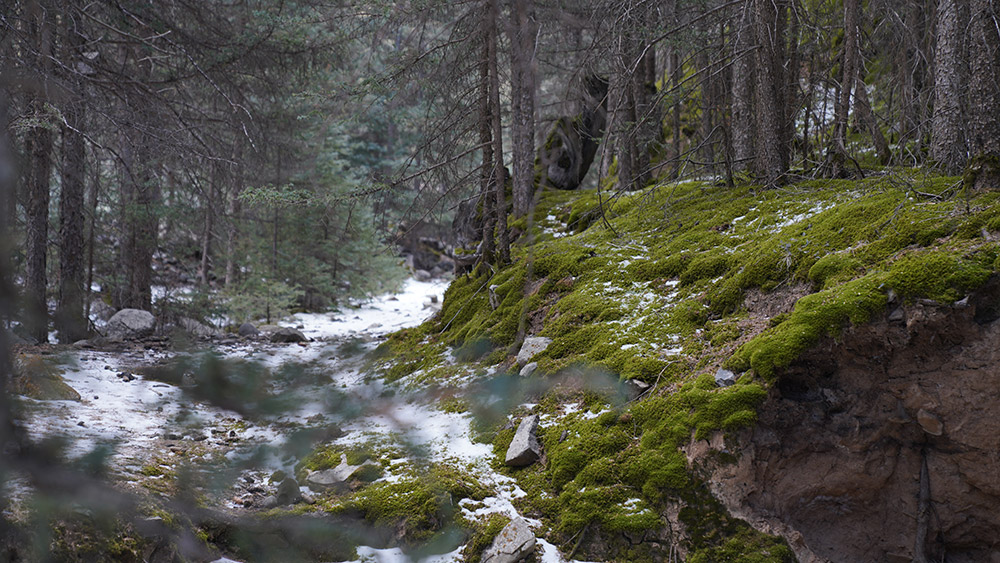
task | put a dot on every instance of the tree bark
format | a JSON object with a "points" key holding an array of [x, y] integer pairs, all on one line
{"points": [[771, 158], [69, 318], [984, 95], [39, 143], [948, 142], [743, 102], [499, 171], [486, 249], [523, 104], [849, 72]]}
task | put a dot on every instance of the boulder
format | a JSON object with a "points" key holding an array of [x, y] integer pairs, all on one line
{"points": [[514, 543], [129, 324], [725, 378], [338, 477], [532, 346], [36, 378], [287, 335], [247, 330], [529, 369], [288, 491], [197, 329], [422, 275], [524, 448], [101, 311]]}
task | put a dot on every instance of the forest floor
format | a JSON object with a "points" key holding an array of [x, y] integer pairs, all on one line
{"points": [[143, 412]]}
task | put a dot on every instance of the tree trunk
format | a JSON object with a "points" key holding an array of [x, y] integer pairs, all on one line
{"points": [[984, 95], [139, 229], [70, 319], [499, 171], [39, 143], [206, 235], [743, 103], [523, 103], [948, 143], [486, 143], [772, 160]]}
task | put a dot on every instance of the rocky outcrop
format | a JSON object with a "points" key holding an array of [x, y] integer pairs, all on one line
{"points": [[514, 543], [36, 378], [524, 449], [130, 324], [880, 445], [339, 476]]}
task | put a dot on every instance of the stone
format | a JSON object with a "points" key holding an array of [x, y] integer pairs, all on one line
{"points": [[533, 345], [514, 543], [930, 422], [494, 299], [422, 275], [288, 491], [897, 315], [529, 369], [635, 388], [524, 448], [197, 329], [286, 335], [38, 379], [270, 502], [247, 330], [131, 324], [335, 477], [725, 378]]}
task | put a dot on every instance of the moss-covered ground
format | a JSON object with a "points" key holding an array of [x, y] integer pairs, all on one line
{"points": [[654, 286]]}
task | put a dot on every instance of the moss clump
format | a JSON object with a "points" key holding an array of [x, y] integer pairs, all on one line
{"points": [[419, 506], [482, 537], [939, 275], [746, 546], [834, 268], [706, 266]]}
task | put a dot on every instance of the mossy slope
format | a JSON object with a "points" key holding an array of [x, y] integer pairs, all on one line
{"points": [[654, 289]]}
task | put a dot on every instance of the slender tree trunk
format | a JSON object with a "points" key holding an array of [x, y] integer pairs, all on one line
{"points": [[523, 103], [499, 170], [792, 98], [69, 318], [486, 142], [771, 152], [743, 102], [39, 142], [206, 235], [948, 143], [984, 95]]}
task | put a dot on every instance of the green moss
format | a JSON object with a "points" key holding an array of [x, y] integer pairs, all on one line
{"points": [[834, 268], [938, 275], [705, 266], [747, 546], [482, 537]]}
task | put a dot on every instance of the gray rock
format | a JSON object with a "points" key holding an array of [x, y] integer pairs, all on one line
{"points": [[529, 369], [270, 502], [494, 299], [636, 388], [247, 330], [897, 315], [725, 378], [129, 324], [532, 346], [197, 329], [287, 335], [524, 448], [422, 275], [335, 477], [514, 543], [288, 491]]}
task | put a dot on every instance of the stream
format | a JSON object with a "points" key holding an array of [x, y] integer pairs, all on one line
{"points": [[143, 422]]}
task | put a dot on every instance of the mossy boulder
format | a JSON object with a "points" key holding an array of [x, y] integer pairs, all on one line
{"points": [[39, 378]]}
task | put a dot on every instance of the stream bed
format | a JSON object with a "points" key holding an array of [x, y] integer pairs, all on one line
{"points": [[146, 423]]}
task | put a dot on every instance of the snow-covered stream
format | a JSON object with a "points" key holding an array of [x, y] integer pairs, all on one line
{"points": [[141, 419]]}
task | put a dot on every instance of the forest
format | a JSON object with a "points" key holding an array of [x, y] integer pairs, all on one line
{"points": [[225, 162]]}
